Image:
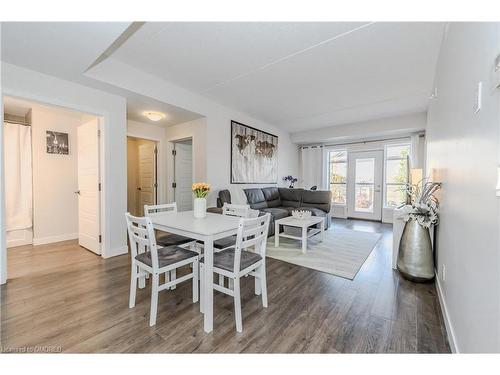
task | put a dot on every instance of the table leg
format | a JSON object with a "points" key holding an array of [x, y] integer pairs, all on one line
{"points": [[304, 240], [276, 235], [208, 279]]}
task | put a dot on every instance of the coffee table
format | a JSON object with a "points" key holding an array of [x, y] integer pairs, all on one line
{"points": [[306, 230]]}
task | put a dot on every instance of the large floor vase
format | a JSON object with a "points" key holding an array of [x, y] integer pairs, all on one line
{"points": [[415, 257]]}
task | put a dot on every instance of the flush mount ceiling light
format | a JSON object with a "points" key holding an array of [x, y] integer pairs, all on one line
{"points": [[154, 116]]}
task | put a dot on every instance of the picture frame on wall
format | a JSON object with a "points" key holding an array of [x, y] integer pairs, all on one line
{"points": [[57, 143], [254, 155]]}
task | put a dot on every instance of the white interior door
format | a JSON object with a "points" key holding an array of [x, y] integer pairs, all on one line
{"points": [[88, 186], [364, 185], [183, 176], [147, 175]]}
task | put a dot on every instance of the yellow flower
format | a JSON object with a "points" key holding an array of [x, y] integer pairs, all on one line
{"points": [[200, 189]]}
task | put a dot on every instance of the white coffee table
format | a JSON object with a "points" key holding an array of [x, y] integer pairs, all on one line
{"points": [[304, 224]]}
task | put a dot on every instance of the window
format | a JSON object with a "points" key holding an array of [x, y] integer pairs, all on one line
{"points": [[337, 175], [396, 173]]}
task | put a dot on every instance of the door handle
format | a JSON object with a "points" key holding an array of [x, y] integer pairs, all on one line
{"points": [[139, 188], [77, 192], [377, 190]]}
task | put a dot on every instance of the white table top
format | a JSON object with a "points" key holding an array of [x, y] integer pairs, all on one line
{"points": [[293, 222], [210, 225]]}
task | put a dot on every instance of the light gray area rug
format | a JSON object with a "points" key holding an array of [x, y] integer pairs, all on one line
{"points": [[341, 253]]}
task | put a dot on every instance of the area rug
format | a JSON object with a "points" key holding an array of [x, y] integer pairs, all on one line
{"points": [[341, 253]]}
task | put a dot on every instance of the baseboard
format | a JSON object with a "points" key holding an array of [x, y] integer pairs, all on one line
{"points": [[52, 239], [21, 242], [447, 322]]}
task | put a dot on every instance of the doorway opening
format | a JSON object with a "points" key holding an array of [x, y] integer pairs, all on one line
{"points": [[52, 173], [142, 172], [182, 154]]}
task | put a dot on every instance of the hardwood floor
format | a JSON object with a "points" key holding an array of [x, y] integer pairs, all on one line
{"points": [[65, 297]]}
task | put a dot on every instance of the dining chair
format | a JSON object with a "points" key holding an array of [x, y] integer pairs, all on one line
{"points": [[163, 238], [169, 239], [149, 259], [238, 262], [231, 209]]}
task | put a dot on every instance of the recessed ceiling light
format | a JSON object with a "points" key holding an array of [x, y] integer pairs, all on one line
{"points": [[154, 116]]}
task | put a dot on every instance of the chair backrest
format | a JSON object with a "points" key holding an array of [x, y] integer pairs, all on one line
{"points": [[152, 210], [251, 233], [240, 210], [142, 237]]}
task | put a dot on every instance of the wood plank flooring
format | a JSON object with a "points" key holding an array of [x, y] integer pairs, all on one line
{"points": [[65, 297]]}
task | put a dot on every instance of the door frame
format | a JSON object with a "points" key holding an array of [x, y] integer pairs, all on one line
{"points": [[156, 182], [351, 185], [161, 170], [170, 164], [104, 121]]}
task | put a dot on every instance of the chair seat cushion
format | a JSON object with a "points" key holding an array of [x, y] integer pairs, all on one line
{"points": [[225, 259], [225, 242], [169, 239], [167, 256]]}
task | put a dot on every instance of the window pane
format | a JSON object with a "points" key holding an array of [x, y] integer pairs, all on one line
{"points": [[364, 198], [400, 151], [338, 172], [338, 193], [397, 171], [365, 171], [395, 195], [336, 156]]}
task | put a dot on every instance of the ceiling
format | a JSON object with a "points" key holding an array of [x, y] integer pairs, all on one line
{"points": [[21, 107], [67, 49], [297, 76], [138, 104]]}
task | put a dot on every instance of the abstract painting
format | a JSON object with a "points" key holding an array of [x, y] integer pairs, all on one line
{"points": [[57, 143], [254, 155]]}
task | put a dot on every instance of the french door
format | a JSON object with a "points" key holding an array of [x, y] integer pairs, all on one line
{"points": [[364, 185]]}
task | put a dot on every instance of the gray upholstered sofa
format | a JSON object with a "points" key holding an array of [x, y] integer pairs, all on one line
{"points": [[280, 202]]}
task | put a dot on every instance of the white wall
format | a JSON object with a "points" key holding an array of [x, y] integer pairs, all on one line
{"points": [[55, 177], [463, 147], [28, 84], [396, 126], [218, 120]]}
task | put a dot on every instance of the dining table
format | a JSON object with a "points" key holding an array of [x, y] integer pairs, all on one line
{"points": [[208, 229]]}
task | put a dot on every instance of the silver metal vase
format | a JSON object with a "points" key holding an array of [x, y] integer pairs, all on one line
{"points": [[415, 257]]}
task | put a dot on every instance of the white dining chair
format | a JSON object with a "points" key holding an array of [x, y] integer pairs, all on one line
{"points": [[148, 258], [169, 239], [239, 210], [230, 209], [162, 238], [238, 262]]}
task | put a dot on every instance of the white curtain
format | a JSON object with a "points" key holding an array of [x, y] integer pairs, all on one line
{"points": [[18, 176], [313, 171], [415, 158]]}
